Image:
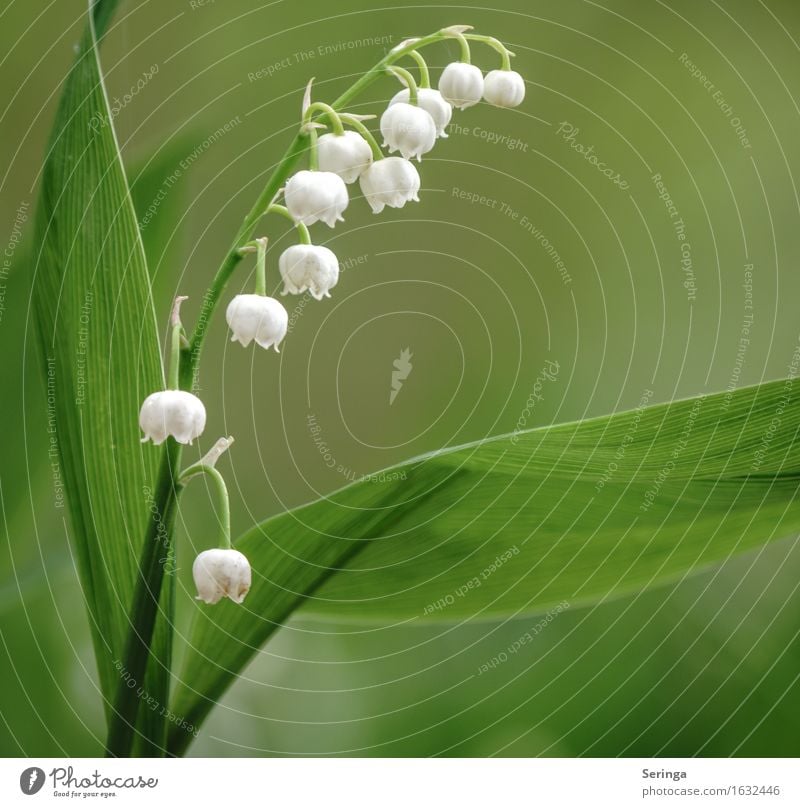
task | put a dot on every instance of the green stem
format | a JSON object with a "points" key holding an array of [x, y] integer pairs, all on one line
{"points": [[313, 155], [408, 79], [424, 73], [466, 56], [200, 468], [175, 344], [261, 267], [505, 53], [359, 126], [378, 69], [327, 111], [175, 358], [302, 231], [155, 555]]}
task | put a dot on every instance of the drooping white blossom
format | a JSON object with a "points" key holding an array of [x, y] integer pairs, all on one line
{"points": [[307, 267], [256, 317], [347, 155], [504, 88], [408, 129], [461, 84], [392, 181], [313, 196], [172, 413], [221, 573], [433, 103]]}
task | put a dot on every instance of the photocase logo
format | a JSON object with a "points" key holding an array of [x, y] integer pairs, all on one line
{"points": [[402, 369], [31, 781]]}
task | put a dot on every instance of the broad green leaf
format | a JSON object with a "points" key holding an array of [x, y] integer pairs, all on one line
{"points": [[98, 337], [517, 523]]}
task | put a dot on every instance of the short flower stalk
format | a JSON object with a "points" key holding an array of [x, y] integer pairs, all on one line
{"points": [[257, 317], [221, 572], [173, 412]]}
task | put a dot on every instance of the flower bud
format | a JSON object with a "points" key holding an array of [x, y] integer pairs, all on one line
{"points": [[254, 316], [433, 103], [391, 181], [172, 413], [408, 129], [221, 573], [306, 267], [504, 88], [461, 84], [313, 196], [347, 155]]}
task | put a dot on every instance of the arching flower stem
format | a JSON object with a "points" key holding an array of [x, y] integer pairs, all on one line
{"points": [[457, 33], [200, 468], [261, 266], [327, 111], [313, 154], [302, 231], [358, 125], [408, 80], [505, 53], [424, 73], [173, 381]]}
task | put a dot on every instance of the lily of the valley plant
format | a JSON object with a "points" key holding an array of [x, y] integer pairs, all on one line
{"points": [[414, 119], [589, 509]]}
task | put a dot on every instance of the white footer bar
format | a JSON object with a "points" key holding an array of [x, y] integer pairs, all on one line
{"points": [[390, 782]]}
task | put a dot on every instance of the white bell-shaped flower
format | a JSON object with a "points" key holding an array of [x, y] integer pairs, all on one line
{"points": [[461, 84], [504, 88], [221, 573], [391, 181], [313, 196], [433, 103], [306, 267], [408, 129], [254, 316], [347, 155], [174, 413]]}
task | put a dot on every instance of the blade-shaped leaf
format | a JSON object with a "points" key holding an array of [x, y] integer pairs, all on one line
{"points": [[98, 336], [514, 524]]}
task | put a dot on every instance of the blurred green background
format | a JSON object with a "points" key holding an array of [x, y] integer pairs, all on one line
{"points": [[468, 281]]}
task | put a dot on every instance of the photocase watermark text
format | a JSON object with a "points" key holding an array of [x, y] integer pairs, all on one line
{"points": [[402, 370], [679, 226], [508, 211], [99, 121], [326, 453], [628, 438], [151, 703], [310, 54], [525, 639], [719, 99], [472, 583], [548, 373], [678, 447], [748, 318], [491, 137], [20, 217], [569, 134], [182, 167]]}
